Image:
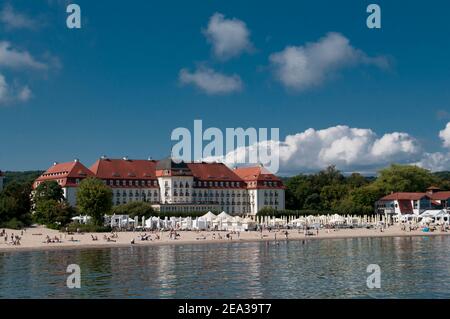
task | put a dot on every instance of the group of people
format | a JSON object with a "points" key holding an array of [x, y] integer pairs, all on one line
{"points": [[113, 238], [55, 239], [15, 239], [147, 237]]}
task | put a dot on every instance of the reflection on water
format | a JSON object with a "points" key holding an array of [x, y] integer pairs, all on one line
{"points": [[412, 267]]}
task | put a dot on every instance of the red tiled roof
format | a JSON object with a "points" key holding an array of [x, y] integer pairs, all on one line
{"points": [[256, 173], [63, 171], [440, 195], [405, 196], [124, 169], [213, 172]]}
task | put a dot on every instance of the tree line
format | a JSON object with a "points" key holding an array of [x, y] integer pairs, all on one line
{"points": [[330, 191]]}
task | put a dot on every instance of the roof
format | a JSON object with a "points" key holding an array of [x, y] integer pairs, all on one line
{"points": [[405, 196], [255, 173], [129, 169], [65, 170], [106, 168], [440, 195], [213, 172]]}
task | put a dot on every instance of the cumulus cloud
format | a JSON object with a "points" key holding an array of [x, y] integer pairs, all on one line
{"points": [[210, 81], [303, 67], [228, 37], [15, 59], [13, 93], [445, 135], [348, 148], [15, 20], [435, 162]]}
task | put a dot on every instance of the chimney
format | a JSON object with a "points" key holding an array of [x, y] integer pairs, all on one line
{"points": [[103, 157], [125, 158], [55, 163], [76, 160]]}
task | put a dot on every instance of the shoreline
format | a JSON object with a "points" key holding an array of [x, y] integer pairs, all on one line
{"points": [[245, 237]]}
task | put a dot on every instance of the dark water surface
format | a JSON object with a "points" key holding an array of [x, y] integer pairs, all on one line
{"points": [[411, 267]]}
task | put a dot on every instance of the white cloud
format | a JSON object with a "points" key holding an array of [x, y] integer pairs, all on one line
{"points": [[24, 94], [435, 162], [14, 59], [3, 89], [210, 81], [13, 93], [303, 67], [229, 37], [15, 20], [445, 135], [348, 148]]}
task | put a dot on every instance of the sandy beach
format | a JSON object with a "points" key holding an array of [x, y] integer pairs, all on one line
{"points": [[35, 238]]}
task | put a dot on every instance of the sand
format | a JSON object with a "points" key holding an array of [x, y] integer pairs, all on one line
{"points": [[35, 238]]}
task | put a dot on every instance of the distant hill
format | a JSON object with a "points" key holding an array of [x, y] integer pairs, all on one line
{"points": [[27, 176], [445, 175]]}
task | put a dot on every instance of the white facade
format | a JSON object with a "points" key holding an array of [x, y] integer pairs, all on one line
{"points": [[70, 194], [176, 189]]}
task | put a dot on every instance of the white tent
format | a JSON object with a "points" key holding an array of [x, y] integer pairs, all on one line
{"points": [[81, 219], [426, 220], [432, 213], [223, 215], [209, 216]]}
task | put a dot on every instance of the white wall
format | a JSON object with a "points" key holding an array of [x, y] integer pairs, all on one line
{"points": [[70, 193]]}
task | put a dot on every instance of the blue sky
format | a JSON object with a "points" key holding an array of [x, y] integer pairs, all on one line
{"points": [[114, 87]]}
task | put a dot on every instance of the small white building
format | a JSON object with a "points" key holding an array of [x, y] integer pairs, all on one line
{"points": [[403, 203]]}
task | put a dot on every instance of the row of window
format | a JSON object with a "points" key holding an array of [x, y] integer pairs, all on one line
{"points": [[203, 183], [135, 193], [119, 182]]}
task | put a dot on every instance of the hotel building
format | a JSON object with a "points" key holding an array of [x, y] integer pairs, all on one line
{"points": [[175, 186]]}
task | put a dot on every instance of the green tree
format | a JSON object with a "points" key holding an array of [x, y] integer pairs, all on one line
{"points": [[48, 190], [404, 178], [94, 199], [356, 180], [51, 212], [134, 209], [331, 195], [298, 188], [15, 204]]}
